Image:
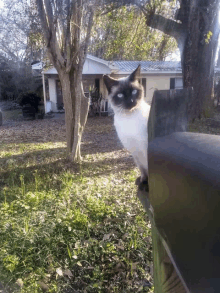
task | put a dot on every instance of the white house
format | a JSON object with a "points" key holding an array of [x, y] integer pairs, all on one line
{"points": [[159, 75]]}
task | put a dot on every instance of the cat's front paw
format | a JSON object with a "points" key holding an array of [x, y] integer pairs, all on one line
{"points": [[142, 185], [138, 181]]}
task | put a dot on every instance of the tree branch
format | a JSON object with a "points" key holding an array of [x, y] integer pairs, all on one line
{"points": [[116, 4], [165, 25], [88, 34], [43, 20], [46, 17], [156, 21], [6, 49]]}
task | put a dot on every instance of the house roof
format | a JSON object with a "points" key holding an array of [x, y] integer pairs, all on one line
{"points": [[146, 66], [109, 65], [37, 65], [125, 67], [51, 70]]}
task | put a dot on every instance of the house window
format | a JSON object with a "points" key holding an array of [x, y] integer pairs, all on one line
{"points": [[176, 83]]}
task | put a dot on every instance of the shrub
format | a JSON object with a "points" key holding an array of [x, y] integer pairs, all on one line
{"points": [[30, 98]]}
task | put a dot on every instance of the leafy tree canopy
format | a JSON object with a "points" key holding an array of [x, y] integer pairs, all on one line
{"points": [[122, 34]]}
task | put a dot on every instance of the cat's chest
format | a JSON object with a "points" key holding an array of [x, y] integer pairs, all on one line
{"points": [[131, 129]]}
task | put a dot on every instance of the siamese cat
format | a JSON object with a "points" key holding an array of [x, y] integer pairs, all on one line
{"points": [[131, 118]]}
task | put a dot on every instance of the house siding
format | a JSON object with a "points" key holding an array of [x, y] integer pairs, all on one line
{"points": [[154, 82]]}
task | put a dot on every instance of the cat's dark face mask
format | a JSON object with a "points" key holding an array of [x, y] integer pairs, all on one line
{"points": [[125, 93]]}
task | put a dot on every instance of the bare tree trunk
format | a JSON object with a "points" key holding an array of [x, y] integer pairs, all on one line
{"points": [[81, 114], [196, 33], [67, 44], [198, 55], [76, 111]]}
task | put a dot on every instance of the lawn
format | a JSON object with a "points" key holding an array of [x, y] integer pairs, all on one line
{"points": [[67, 227]]}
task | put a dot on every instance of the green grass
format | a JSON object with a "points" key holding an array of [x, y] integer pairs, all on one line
{"points": [[70, 228], [12, 114]]}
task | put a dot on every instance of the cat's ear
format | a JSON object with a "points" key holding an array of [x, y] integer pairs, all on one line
{"points": [[135, 74], [110, 82]]}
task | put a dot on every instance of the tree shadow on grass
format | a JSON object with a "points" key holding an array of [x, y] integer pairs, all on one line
{"points": [[99, 135], [101, 144], [106, 166], [45, 153]]}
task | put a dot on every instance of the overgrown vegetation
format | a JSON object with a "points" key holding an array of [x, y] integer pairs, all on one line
{"points": [[70, 228], [122, 34], [30, 98]]}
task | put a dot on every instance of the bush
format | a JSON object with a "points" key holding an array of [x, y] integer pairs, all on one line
{"points": [[30, 98]]}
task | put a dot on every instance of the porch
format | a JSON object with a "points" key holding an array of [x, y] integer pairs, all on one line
{"points": [[94, 90]]}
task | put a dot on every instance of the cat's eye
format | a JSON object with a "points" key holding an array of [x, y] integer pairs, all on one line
{"points": [[120, 95], [134, 92]]}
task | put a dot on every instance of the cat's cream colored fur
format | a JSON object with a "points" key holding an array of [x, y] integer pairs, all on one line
{"points": [[131, 125], [131, 128]]}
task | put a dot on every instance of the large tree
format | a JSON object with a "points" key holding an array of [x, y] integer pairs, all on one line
{"points": [[195, 27], [66, 28]]}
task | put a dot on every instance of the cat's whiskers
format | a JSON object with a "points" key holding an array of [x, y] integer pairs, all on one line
{"points": [[122, 111], [119, 110], [135, 108]]}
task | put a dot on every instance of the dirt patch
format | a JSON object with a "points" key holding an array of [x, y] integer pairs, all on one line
{"points": [[99, 135]]}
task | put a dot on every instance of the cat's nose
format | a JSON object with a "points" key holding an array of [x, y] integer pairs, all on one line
{"points": [[131, 103]]}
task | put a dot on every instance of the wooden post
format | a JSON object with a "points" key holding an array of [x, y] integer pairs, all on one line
{"points": [[169, 113], [184, 198]]}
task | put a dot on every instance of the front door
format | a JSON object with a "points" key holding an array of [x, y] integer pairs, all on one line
{"points": [[97, 84]]}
